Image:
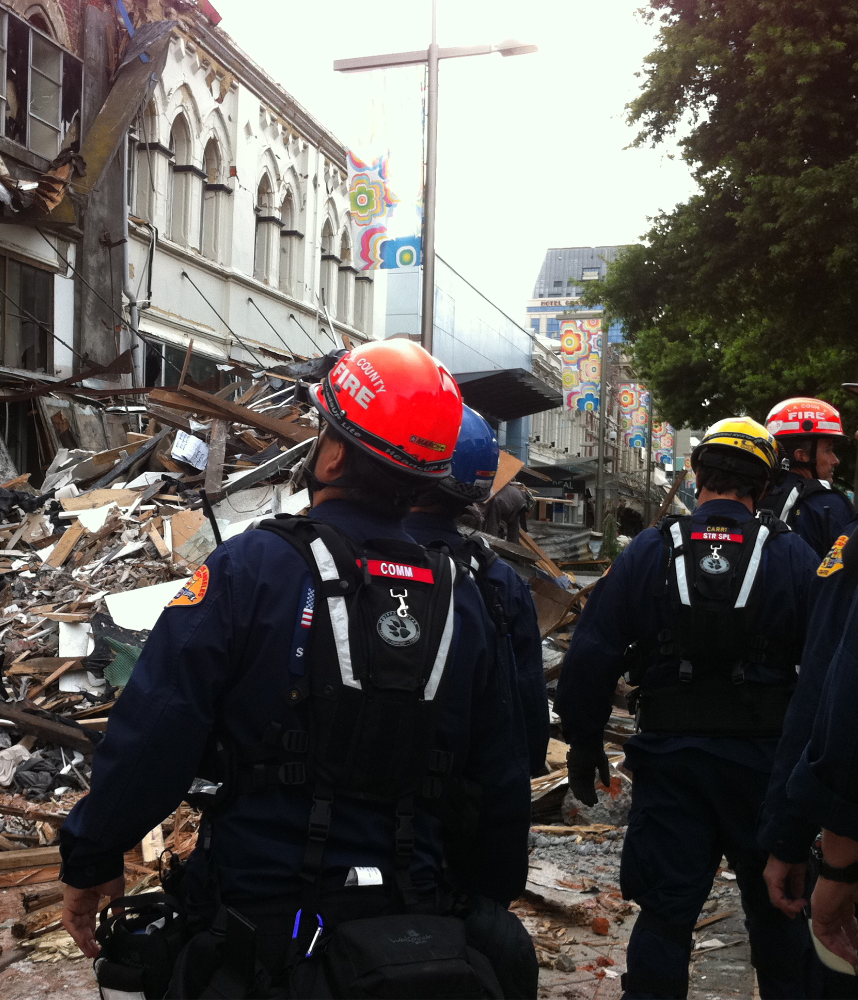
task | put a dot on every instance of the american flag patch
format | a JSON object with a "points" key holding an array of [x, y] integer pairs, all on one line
{"points": [[307, 613]]}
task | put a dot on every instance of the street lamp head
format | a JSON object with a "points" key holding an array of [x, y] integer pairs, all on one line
{"points": [[511, 47]]}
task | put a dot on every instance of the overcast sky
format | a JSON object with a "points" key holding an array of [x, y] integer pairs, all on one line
{"points": [[531, 148]]}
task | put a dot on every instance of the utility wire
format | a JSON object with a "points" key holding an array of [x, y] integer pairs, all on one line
{"points": [[276, 334], [307, 335], [208, 303], [23, 312], [75, 271]]}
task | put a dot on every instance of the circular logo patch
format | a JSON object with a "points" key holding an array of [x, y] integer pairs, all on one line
{"points": [[714, 565], [398, 631]]}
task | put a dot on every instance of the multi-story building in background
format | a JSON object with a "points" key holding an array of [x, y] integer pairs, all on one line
{"points": [[564, 443]]}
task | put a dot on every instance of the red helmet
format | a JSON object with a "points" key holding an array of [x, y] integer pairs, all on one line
{"points": [[802, 416], [394, 400]]}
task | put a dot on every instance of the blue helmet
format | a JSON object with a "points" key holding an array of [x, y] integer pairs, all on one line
{"points": [[475, 460]]}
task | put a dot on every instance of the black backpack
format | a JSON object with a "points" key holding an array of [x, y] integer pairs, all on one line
{"points": [[713, 592]]}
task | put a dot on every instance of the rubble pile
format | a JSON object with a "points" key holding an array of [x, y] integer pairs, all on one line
{"points": [[89, 557]]}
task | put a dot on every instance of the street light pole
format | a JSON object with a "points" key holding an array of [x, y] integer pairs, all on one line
{"points": [[430, 57], [427, 314]]}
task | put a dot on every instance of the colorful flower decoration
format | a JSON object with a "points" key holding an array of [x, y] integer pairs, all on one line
{"points": [[587, 401], [591, 368], [637, 439], [628, 398], [570, 378], [367, 200]]}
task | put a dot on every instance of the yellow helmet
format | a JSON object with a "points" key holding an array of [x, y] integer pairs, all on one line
{"points": [[738, 444]]}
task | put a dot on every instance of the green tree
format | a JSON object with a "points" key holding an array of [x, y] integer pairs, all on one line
{"points": [[747, 292]]}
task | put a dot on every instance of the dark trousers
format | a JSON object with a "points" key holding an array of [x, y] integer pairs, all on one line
{"points": [[688, 809]]}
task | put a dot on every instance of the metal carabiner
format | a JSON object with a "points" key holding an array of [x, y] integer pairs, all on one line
{"points": [[402, 610]]}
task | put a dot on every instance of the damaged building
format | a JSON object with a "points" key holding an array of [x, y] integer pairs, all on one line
{"points": [[156, 188]]}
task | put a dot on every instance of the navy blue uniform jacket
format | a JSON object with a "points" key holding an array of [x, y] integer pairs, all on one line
{"points": [[818, 527], [520, 613], [824, 785], [784, 830], [628, 604], [224, 663]]}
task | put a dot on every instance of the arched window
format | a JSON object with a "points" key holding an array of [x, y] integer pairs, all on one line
{"points": [[290, 243], [328, 271], [213, 192], [178, 195], [345, 280], [263, 256]]}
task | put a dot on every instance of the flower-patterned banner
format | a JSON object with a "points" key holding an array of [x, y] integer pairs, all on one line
{"points": [[662, 442], [372, 204], [581, 357], [634, 407]]}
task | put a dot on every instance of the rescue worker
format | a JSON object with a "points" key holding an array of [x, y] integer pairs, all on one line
{"points": [[790, 822], [824, 787], [507, 596], [808, 430], [331, 800], [707, 615], [785, 831]]}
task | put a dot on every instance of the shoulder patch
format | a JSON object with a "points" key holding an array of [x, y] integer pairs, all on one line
{"points": [[834, 560], [194, 590]]}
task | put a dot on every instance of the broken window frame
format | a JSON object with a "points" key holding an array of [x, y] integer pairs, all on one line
{"points": [[68, 77], [11, 313]]}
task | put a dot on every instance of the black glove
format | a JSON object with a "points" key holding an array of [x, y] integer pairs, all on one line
{"points": [[582, 762]]}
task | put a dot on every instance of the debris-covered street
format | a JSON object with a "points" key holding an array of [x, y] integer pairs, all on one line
{"points": [[428, 555]]}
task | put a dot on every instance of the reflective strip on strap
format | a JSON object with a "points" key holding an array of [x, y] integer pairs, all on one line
{"points": [[434, 681], [790, 503], [679, 562], [753, 568], [338, 612]]}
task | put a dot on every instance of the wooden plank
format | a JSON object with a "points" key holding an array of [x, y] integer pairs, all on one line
{"points": [[33, 876], [13, 484], [64, 546], [171, 417], [172, 400], [159, 543], [552, 604], [545, 561], [508, 467], [99, 498], [185, 525], [64, 668], [285, 429], [29, 857], [46, 729], [187, 362], [214, 464], [126, 464], [98, 464]]}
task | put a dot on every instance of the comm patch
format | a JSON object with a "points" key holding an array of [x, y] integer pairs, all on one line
{"points": [[194, 590], [834, 560]]}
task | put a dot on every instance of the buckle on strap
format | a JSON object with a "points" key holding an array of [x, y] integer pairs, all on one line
{"points": [[320, 819], [295, 741], [292, 773], [404, 834], [685, 671]]}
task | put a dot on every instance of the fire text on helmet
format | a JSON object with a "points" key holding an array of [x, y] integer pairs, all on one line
{"points": [[348, 381]]}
